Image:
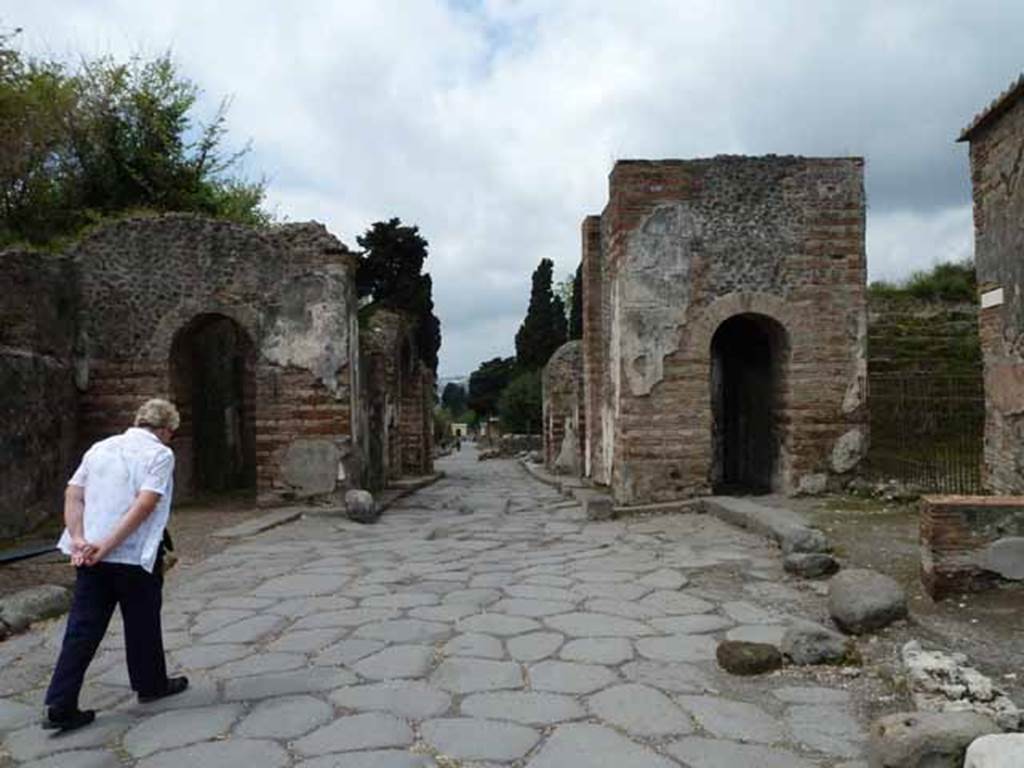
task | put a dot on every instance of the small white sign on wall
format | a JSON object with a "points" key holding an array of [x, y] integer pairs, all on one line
{"points": [[992, 298]]}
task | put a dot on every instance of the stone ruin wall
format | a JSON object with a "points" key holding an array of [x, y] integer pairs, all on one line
{"points": [[38, 399], [563, 410], [399, 400], [997, 176], [683, 246], [88, 335]]}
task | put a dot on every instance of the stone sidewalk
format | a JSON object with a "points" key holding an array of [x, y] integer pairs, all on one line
{"points": [[482, 622]]}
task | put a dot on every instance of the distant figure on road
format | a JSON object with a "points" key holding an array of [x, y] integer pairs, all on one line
{"points": [[116, 508], [458, 443]]}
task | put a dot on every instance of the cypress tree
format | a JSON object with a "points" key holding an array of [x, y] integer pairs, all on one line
{"points": [[544, 328]]}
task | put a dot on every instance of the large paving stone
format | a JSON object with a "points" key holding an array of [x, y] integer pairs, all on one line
{"points": [[301, 585], [346, 617], [534, 646], [396, 661], [383, 758], [471, 739], [521, 606], [248, 630], [769, 634], [594, 746], [570, 677], [285, 718], [79, 758], [665, 578], [208, 656], [179, 728], [677, 648], [32, 742], [348, 734], [306, 640], [598, 650], [14, 714], [676, 603], [449, 612], [697, 752], [696, 624], [472, 644], [640, 711], [286, 683], [811, 695], [401, 600], [730, 719], [218, 618], [235, 753], [498, 624], [827, 729], [675, 678], [533, 592], [261, 663], [404, 631], [414, 700], [597, 625], [530, 707], [468, 675], [743, 612], [346, 651], [479, 596]]}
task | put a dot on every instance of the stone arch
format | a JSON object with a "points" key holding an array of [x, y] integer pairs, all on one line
{"points": [[696, 335], [212, 361], [749, 360]]}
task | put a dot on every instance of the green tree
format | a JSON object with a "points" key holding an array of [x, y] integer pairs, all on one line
{"points": [[486, 384], [390, 273], [107, 137], [520, 404], [453, 398], [576, 307], [544, 328]]}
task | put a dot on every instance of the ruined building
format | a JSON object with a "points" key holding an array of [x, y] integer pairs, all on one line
{"points": [[724, 327], [564, 417], [399, 398], [996, 139], [252, 332]]}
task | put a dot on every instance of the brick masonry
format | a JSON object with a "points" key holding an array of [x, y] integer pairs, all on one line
{"points": [[997, 177], [957, 532], [685, 245]]}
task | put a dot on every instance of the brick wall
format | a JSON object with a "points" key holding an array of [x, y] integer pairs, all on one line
{"points": [[997, 177], [148, 284], [37, 393], [687, 245], [956, 532]]}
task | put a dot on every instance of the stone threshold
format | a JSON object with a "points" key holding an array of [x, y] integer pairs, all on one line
{"points": [[261, 523]]}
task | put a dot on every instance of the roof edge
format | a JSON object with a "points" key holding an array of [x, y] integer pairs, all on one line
{"points": [[999, 105]]}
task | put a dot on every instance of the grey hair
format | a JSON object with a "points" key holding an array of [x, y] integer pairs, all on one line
{"points": [[157, 414]]}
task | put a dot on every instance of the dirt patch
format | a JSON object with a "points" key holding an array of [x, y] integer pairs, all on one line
{"points": [[190, 526], [987, 627]]}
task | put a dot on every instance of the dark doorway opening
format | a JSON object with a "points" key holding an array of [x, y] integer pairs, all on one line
{"points": [[747, 369], [212, 372]]}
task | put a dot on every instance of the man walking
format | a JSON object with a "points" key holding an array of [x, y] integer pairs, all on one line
{"points": [[116, 508]]}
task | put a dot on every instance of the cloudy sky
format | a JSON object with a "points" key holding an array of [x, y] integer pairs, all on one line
{"points": [[492, 124]]}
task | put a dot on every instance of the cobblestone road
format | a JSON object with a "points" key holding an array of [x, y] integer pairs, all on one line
{"points": [[482, 622]]}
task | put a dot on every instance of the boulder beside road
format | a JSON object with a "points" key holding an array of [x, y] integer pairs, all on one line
{"points": [[862, 600], [925, 739], [22, 608]]}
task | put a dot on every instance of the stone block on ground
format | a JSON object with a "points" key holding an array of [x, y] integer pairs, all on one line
{"points": [[361, 507], [598, 506], [743, 658], [862, 600], [1000, 750], [22, 608], [791, 530], [810, 565], [925, 739], [808, 643]]}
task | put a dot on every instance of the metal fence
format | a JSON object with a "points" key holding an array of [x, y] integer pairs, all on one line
{"points": [[927, 431]]}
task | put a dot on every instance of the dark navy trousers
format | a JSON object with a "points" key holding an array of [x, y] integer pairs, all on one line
{"points": [[98, 589]]}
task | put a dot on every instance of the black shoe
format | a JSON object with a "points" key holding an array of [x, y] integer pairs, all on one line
{"points": [[67, 720], [174, 685]]}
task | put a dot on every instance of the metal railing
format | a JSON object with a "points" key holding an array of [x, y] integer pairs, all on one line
{"points": [[927, 431]]}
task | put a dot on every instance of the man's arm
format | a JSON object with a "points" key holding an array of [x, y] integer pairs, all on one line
{"points": [[140, 509]]}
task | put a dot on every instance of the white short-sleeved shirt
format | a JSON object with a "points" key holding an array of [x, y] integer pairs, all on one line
{"points": [[112, 472]]}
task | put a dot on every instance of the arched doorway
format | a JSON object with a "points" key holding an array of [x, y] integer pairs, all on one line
{"points": [[748, 365], [212, 374]]}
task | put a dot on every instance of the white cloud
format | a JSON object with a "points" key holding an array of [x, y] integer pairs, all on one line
{"points": [[493, 124]]}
